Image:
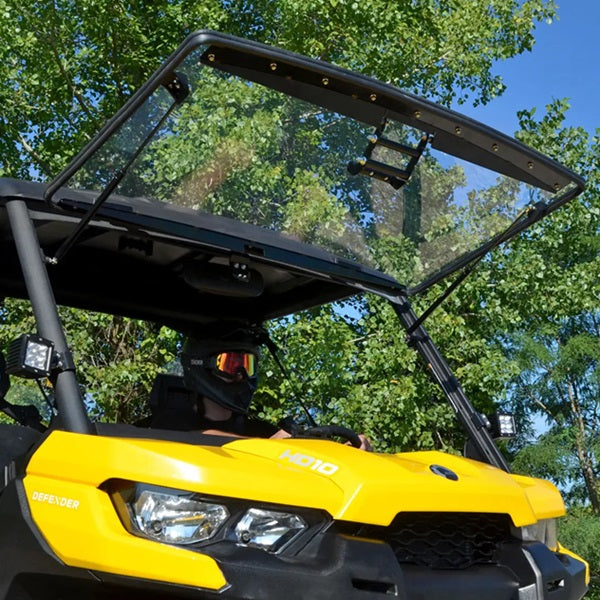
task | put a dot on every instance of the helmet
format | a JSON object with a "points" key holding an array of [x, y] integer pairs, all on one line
{"points": [[222, 365]]}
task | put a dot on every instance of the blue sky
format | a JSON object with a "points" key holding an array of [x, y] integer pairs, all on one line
{"points": [[564, 63]]}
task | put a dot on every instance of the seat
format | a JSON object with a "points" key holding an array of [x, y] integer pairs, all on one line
{"points": [[172, 404]]}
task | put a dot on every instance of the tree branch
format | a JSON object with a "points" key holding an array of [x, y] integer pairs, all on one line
{"points": [[42, 164], [52, 38]]}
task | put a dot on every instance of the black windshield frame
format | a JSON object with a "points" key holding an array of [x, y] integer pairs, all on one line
{"points": [[362, 98]]}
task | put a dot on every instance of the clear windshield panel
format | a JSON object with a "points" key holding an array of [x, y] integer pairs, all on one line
{"points": [[378, 195]]}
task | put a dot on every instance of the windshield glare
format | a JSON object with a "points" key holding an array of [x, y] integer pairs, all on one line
{"points": [[238, 149]]}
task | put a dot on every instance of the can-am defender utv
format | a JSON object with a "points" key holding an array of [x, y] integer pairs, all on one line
{"points": [[245, 180]]}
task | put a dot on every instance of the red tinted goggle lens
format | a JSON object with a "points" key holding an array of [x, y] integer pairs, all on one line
{"points": [[231, 363]]}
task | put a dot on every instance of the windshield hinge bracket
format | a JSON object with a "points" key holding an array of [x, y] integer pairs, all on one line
{"points": [[391, 174], [176, 84], [240, 268]]}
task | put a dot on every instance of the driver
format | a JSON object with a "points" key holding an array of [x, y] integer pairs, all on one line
{"points": [[223, 370]]}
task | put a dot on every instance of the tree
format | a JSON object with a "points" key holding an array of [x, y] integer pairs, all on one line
{"points": [[540, 307], [560, 379]]}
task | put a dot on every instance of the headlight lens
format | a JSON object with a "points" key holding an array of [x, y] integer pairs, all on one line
{"points": [[175, 518], [268, 529], [543, 531]]}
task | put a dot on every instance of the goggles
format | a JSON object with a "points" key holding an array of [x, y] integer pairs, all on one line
{"points": [[231, 363]]}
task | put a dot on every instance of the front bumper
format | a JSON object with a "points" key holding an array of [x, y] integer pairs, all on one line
{"points": [[331, 566], [342, 567]]}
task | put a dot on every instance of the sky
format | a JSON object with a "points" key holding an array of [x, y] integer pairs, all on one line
{"points": [[564, 63]]}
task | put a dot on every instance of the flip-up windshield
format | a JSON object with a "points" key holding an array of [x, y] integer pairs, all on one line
{"points": [[322, 156]]}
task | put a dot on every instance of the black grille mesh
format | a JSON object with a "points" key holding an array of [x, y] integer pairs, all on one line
{"points": [[448, 540]]}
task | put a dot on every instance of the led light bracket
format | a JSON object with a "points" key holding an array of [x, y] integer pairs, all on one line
{"points": [[62, 361]]}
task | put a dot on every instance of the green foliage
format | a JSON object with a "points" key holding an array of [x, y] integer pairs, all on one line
{"points": [[553, 456], [580, 533], [117, 360], [441, 49], [560, 380], [351, 364], [67, 65], [541, 307]]}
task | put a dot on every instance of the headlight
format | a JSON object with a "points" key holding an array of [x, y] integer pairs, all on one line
{"points": [[171, 516], [543, 531], [268, 529], [176, 516]]}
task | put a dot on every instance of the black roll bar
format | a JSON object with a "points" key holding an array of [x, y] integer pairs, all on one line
{"points": [[440, 371], [71, 409]]}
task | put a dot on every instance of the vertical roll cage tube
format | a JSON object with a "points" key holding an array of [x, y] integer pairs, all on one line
{"points": [[71, 409], [471, 420]]}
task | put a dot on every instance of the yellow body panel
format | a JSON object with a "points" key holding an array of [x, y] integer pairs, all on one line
{"points": [[347, 483], [87, 533]]}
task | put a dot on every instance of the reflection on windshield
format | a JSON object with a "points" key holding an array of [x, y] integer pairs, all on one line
{"points": [[241, 150]]}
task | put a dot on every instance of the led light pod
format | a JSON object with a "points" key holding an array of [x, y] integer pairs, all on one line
{"points": [[30, 356], [503, 425]]}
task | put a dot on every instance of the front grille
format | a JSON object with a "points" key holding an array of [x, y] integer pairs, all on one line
{"points": [[448, 540]]}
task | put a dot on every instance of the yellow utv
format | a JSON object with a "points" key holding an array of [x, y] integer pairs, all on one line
{"points": [[246, 180]]}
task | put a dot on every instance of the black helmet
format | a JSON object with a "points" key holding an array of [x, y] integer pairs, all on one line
{"points": [[221, 364]]}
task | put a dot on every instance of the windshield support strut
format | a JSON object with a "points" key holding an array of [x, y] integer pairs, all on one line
{"points": [[465, 273], [441, 373], [179, 90]]}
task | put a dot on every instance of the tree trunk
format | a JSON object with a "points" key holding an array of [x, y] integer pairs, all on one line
{"points": [[583, 454]]}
